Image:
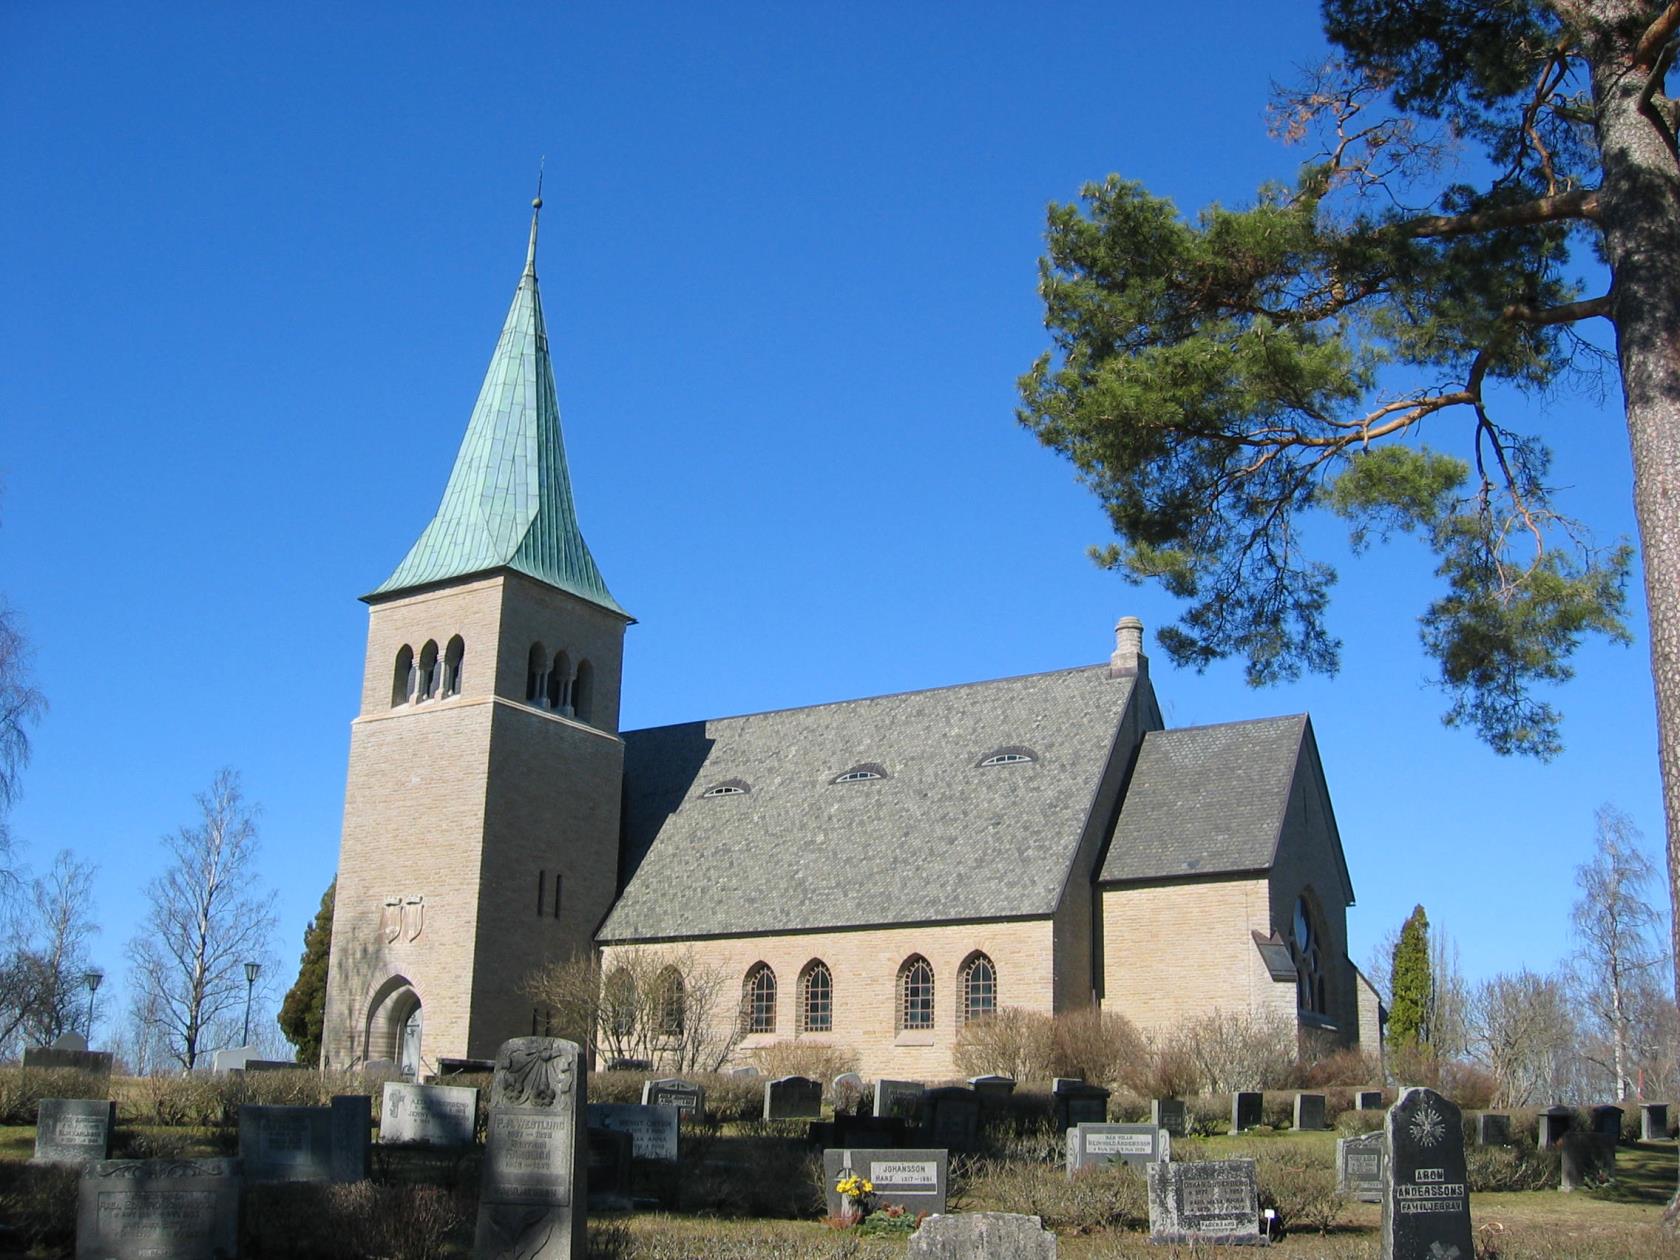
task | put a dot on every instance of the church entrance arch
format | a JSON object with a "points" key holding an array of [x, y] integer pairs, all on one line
{"points": [[393, 1029]]}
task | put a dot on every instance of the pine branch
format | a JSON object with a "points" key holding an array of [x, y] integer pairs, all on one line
{"points": [[1580, 204], [1568, 313], [1657, 35]]}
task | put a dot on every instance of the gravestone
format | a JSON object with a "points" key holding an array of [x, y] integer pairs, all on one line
{"points": [[533, 1173], [1368, 1100], [671, 1092], [951, 1118], [1653, 1122], [792, 1098], [652, 1129], [1247, 1110], [285, 1143], [74, 1130], [992, 1089], [427, 1115], [879, 1132], [1551, 1124], [380, 1069], [982, 1236], [1209, 1201], [1090, 1145], [69, 1041], [272, 1065], [1359, 1167], [848, 1091], [1077, 1102], [352, 1133], [629, 1065], [915, 1180], [744, 1070], [465, 1067], [161, 1209], [1170, 1114], [1493, 1129], [96, 1061], [898, 1098], [233, 1059], [609, 1157], [1309, 1113], [1426, 1201], [1607, 1121], [1586, 1158]]}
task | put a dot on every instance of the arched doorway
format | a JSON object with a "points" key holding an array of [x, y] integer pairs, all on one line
{"points": [[394, 1025]]}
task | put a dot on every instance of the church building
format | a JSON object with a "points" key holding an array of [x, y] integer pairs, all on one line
{"points": [[869, 874]]}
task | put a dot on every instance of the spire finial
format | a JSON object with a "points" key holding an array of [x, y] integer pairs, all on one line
{"points": [[536, 209]]}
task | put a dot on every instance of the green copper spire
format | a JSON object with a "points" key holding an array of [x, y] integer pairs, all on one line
{"points": [[508, 503]]}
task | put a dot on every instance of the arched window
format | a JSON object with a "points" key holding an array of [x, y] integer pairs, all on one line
{"points": [[560, 684], [536, 675], [915, 994], [816, 998], [402, 678], [1009, 757], [1305, 945], [583, 692], [618, 996], [452, 666], [978, 988], [758, 1000], [671, 1012], [861, 774], [729, 787], [428, 671]]}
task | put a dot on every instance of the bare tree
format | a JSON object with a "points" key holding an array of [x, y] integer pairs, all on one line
{"points": [[62, 914], [205, 920], [21, 705], [1615, 930], [1523, 1032]]}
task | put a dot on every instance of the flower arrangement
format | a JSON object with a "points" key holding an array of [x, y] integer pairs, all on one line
{"points": [[857, 1192]]}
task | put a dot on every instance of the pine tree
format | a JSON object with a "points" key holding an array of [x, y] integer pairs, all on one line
{"points": [[1408, 1012], [304, 1011]]}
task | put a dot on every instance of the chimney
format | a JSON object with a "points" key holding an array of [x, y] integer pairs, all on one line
{"points": [[1128, 659]]}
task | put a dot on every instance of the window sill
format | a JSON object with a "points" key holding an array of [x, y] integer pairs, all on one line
{"points": [[918, 1038]]}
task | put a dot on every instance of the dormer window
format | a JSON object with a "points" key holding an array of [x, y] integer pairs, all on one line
{"points": [[861, 774], [729, 787], [1009, 757]]}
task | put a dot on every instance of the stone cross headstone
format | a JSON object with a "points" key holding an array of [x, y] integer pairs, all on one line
{"points": [[982, 1236], [1493, 1129], [96, 1061], [1309, 1113], [902, 1099], [916, 1180], [992, 1089], [1210, 1201], [1078, 1102], [1090, 1145], [1426, 1200], [609, 1158], [1368, 1100], [1607, 1120], [792, 1098], [74, 1130], [427, 1115], [162, 1209], [1359, 1167], [1653, 1122], [1247, 1110], [1551, 1124], [652, 1129], [1170, 1114], [951, 1118], [685, 1097], [533, 1175]]}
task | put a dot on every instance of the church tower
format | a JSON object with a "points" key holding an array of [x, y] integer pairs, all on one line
{"points": [[481, 814]]}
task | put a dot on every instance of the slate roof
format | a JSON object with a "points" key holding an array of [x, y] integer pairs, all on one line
{"points": [[937, 839], [508, 503], [1206, 800]]}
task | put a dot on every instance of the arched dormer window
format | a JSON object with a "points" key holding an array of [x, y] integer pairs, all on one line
{"points": [[861, 773], [1306, 947], [758, 1000], [816, 998], [429, 672], [560, 684], [1009, 757], [976, 988], [729, 787], [583, 692], [915, 995], [452, 657], [536, 675], [402, 677]]}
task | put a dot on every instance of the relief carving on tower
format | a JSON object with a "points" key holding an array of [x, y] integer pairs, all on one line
{"points": [[402, 918]]}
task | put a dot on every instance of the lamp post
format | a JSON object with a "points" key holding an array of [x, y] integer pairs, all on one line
{"points": [[251, 970], [92, 979]]}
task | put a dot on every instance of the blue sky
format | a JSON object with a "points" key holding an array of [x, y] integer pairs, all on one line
{"points": [[255, 259]]}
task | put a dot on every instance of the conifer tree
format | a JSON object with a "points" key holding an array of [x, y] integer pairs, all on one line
{"points": [[1414, 986], [304, 1011]]}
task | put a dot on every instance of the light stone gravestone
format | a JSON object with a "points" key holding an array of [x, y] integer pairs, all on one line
{"points": [[982, 1236], [1368, 1100], [1653, 1122], [992, 1089], [234, 1058], [951, 1118], [915, 1180], [96, 1061], [792, 1098], [1209, 1201], [1359, 1167], [1078, 1102], [1091, 1145], [652, 1129], [427, 1115], [1426, 1201], [1247, 1110], [533, 1177], [1170, 1114], [744, 1070], [671, 1092], [1551, 1124], [74, 1130], [902, 1099], [848, 1091], [1607, 1120], [69, 1041], [1493, 1128], [609, 1156], [159, 1209], [1309, 1113], [380, 1068]]}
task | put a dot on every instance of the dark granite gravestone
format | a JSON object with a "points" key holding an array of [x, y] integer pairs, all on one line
{"points": [[96, 1061], [610, 1154], [1210, 1201], [1426, 1200], [285, 1143], [1359, 1167], [427, 1115], [160, 1209], [1090, 1145], [878, 1132], [1493, 1129], [982, 1236], [464, 1067], [74, 1130], [915, 1180], [1368, 1100], [685, 1097], [1309, 1113], [533, 1174], [1170, 1114], [652, 1129], [1247, 1110], [1552, 1124], [273, 1065], [352, 1129], [992, 1089], [792, 1098], [1587, 1158], [629, 1065], [1653, 1122], [1077, 1102], [951, 1118], [1607, 1121], [902, 1099]]}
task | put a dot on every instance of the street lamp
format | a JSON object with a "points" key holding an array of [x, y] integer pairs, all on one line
{"points": [[93, 980], [251, 970]]}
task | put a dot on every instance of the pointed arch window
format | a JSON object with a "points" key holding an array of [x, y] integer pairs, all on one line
{"points": [[429, 671], [977, 988], [452, 658], [758, 1000], [618, 995], [1305, 947], [816, 998], [672, 996], [402, 677], [915, 995]]}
